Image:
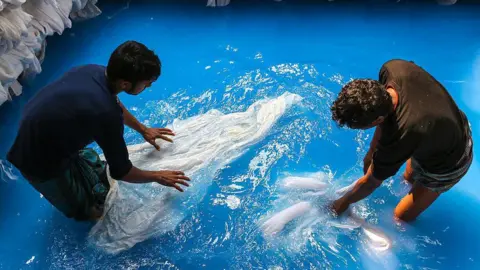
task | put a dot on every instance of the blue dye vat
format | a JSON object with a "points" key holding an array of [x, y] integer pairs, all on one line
{"points": [[254, 50]]}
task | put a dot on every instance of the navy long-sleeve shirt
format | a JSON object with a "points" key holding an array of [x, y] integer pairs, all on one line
{"points": [[64, 117]]}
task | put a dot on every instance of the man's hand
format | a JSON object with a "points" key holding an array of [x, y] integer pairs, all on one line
{"points": [[171, 179], [339, 206], [151, 134]]}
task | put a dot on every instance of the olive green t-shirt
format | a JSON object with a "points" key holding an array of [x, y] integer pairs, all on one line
{"points": [[426, 124]]}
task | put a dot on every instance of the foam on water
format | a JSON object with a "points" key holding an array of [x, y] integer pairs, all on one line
{"points": [[203, 145]]}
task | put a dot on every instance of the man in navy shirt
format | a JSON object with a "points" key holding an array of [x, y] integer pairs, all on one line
{"points": [[79, 108]]}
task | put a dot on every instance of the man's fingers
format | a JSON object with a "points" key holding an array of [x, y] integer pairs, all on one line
{"points": [[182, 177], [165, 138], [152, 142], [182, 183], [177, 187], [164, 131]]}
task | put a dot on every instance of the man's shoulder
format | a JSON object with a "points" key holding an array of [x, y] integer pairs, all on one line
{"points": [[398, 64], [87, 68]]}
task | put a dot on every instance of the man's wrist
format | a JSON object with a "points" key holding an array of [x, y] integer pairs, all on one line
{"points": [[142, 129]]}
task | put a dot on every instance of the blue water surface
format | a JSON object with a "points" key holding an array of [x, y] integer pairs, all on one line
{"points": [[226, 59]]}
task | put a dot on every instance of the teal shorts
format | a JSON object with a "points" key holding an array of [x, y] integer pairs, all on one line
{"points": [[81, 187]]}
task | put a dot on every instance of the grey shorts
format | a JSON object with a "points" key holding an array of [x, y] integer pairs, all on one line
{"points": [[443, 182]]}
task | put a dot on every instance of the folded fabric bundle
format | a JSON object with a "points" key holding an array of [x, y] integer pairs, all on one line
{"points": [[37, 44], [47, 18], [33, 39], [6, 45], [64, 9], [78, 5], [3, 94], [217, 3], [13, 26], [89, 11], [10, 4], [13, 63]]}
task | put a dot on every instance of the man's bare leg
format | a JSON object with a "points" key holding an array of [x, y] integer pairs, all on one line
{"points": [[415, 202], [96, 212], [408, 174]]}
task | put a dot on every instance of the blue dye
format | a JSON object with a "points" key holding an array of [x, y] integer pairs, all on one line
{"points": [[226, 59]]}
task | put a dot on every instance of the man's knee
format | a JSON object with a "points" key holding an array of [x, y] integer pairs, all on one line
{"points": [[408, 174], [403, 214]]}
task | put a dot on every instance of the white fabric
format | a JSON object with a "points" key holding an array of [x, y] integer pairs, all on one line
{"points": [[78, 5], [89, 11], [64, 10], [47, 18], [10, 4], [7, 45], [203, 145], [15, 61], [33, 39], [217, 3], [277, 222], [16, 88], [3, 94], [13, 26], [446, 2], [272, 226]]}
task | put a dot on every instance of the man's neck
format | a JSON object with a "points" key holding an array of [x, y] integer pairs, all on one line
{"points": [[393, 93], [111, 86]]}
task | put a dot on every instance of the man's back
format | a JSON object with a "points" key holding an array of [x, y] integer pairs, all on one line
{"points": [[427, 124], [61, 119]]}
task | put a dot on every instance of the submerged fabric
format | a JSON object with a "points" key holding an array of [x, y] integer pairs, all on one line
{"points": [[66, 116], [203, 145], [82, 186], [417, 128]]}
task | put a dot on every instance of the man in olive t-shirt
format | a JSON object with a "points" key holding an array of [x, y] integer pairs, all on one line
{"points": [[417, 122]]}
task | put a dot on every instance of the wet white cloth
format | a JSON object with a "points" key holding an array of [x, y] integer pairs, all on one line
{"points": [[311, 213], [203, 145], [217, 3], [13, 27], [89, 11]]}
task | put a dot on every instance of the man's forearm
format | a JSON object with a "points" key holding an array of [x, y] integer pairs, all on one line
{"points": [[131, 121], [362, 189], [137, 176]]}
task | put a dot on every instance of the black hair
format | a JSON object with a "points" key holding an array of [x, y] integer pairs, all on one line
{"points": [[133, 62], [360, 103]]}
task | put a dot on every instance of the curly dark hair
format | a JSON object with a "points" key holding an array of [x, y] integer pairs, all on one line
{"points": [[360, 103]]}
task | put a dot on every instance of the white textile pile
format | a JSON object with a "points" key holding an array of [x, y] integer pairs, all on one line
{"points": [[204, 144], [217, 3], [24, 25]]}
